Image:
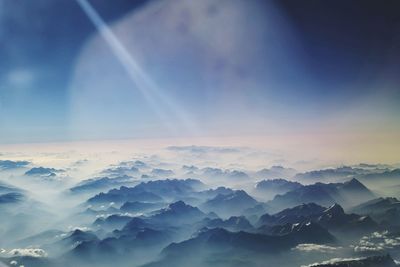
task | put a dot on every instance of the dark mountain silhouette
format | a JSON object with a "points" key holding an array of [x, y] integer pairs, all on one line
{"points": [[231, 204]]}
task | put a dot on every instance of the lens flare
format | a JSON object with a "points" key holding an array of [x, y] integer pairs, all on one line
{"points": [[161, 104]]}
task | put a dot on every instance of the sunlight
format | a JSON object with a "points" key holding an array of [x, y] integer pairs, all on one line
{"points": [[143, 82]]}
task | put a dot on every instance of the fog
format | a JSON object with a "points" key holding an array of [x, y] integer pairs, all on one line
{"points": [[86, 205]]}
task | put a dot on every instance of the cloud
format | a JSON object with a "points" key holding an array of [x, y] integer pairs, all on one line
{"points": [[9, 164], [331, 261], [204, 149], [378, 242], [30, 252], [162, 172], [315, 247]]}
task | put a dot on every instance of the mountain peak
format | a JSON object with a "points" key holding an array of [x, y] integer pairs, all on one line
{"points": [[335, 209]]}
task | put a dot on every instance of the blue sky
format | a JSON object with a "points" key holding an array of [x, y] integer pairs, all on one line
{"points": [[190, 68]]}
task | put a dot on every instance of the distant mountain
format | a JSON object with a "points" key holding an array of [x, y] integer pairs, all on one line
{"points": [[381, 178], [234, 223], [152, 191], [275, 172], [172, 188], [332, 174], [217, 173], [42, 171], [112, 222], [10, 198], [308, 232], [237, 175], [297, 214], [102, 183], [135, 225], [7, 188], [124, 194], [386, 210], [10, 164], [273, 187], [374, 261], [121, 171], [211, 193], [162, 173], [334, 218], [72, 240], [138, 206], [230, 204], [178, 213], [347, 194]]}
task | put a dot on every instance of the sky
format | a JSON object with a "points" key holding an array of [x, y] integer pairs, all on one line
{"points": [[321, 73]]}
